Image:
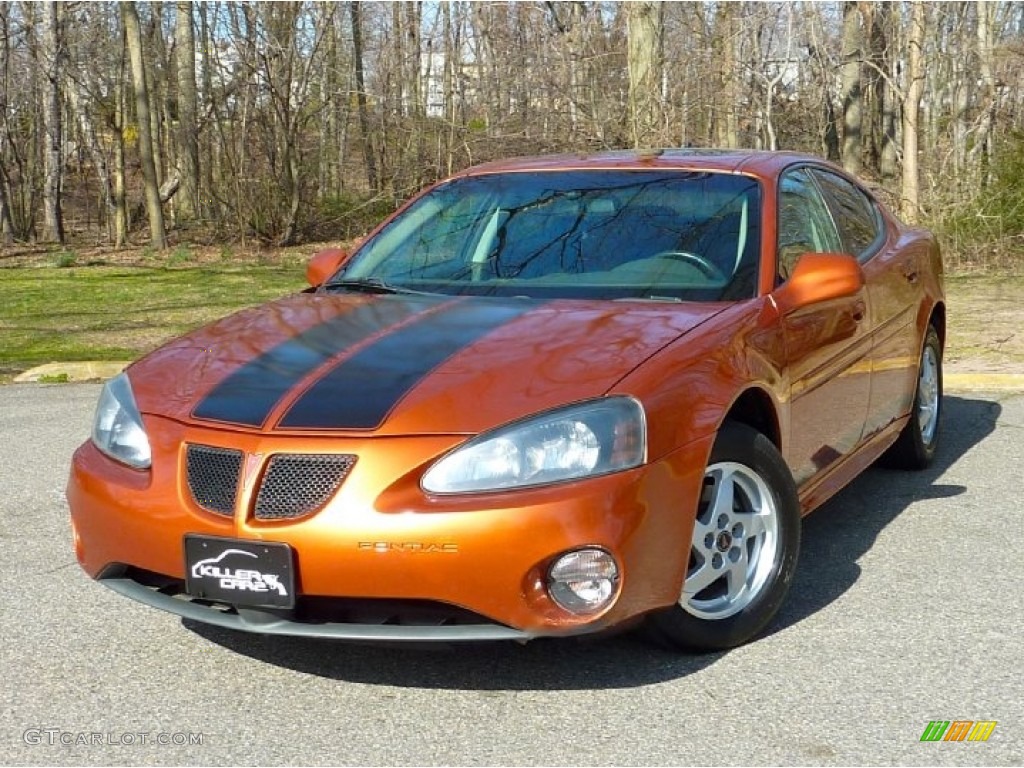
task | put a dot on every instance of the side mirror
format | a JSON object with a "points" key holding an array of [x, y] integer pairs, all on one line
{"points": [[324, 264], [819, 277]]}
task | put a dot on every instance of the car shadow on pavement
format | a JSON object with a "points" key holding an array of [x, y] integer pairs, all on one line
{"points": [[625, 660], [834, 538], [846, 527]]}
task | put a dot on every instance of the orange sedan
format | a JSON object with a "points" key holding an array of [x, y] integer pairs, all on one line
{"points": [[548, 397]]}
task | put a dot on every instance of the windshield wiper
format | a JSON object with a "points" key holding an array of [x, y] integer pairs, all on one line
{"points": [[652, 297], [369, 285]]}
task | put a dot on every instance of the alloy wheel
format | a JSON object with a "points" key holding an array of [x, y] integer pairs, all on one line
{"points": [[735, 542]]}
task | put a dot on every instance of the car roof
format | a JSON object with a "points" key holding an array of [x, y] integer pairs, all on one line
{"points": [[762, 163]]}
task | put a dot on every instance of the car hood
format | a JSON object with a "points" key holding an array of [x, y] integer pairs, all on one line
{"points": [[396, 364]]}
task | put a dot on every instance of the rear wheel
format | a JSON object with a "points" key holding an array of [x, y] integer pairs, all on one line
{"points": [[743, 552], [915, 447]]}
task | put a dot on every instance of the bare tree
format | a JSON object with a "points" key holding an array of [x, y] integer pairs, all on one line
{"points": [[50, 62], [851, 95], [364, 123], [188, 112], [289, 121], [980, 156], [6, 221], [154, 210], [885, 99], [771, 63], [724, 40], [82, 107], [910, 187], [644, 21], [119, 123]]}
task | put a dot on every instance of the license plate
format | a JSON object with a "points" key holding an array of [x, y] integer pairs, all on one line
{"points": [[246, 573]]}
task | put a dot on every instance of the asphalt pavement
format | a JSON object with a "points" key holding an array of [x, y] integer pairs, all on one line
{"points": [[907, 608]]}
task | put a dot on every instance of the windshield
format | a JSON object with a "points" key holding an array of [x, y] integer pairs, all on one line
{"points": [[656, 235]]}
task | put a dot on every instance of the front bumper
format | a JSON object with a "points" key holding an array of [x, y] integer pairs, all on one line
{"points": [[381, 539], [169, 595]]}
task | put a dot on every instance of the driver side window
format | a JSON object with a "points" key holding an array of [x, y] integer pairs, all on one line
{"points": [[805, 224]]}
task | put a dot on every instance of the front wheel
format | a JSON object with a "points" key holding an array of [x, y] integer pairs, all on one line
{"points": [[743, 552]]}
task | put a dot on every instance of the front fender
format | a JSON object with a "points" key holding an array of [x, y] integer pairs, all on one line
{"points": [[692, 385]]}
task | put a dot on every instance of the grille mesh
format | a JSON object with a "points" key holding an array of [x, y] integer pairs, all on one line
{"points": [[299, 484], [213, 477]]}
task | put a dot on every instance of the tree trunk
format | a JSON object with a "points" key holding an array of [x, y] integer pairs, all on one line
{"points": [[53, 218], [133, 36], [888, 162], [852, 98], [6, 220], [573, 35], [208, 147], [327, 138], [419, 111], [293, 188], [979, 154], [188, 113], [364, 121], [874, 86], [829, 122], [120, 185], [157, 63], [960, 90], [484, 53], [454, 92], [644, 24], [723, 48], [910, 205]]}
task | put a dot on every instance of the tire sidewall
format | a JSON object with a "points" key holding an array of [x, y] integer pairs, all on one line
{"points": [[909, 451], [927, 450]]}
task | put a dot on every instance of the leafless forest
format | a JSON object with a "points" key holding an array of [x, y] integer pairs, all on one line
{"points": [[294, 121]]}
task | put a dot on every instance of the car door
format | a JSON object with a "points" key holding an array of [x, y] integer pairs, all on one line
{"points": [[827, 344], [891, 279]]}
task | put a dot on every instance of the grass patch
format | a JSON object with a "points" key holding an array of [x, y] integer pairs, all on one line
{"points": [[181, 255], [985, 319], [54, 378], [65, 259], [122, 312]]}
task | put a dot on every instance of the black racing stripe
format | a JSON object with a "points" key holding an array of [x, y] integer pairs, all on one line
{"points": [[363, 389], [248, 395]]}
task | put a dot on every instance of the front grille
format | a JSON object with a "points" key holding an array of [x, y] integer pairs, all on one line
{"points": [[213, 477], [300, 484]]}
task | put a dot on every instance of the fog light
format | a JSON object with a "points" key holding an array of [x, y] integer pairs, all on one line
{"points": [[583, 581]]}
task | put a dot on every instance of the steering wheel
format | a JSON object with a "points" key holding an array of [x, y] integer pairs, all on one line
{"points": [[709, 268]]}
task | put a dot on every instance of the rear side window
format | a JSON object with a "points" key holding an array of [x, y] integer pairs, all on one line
{"points": [[805, 225], [855, 214]]}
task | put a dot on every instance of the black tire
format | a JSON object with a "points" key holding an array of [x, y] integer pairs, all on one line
{"points": [[710, 619], [915, 447]]}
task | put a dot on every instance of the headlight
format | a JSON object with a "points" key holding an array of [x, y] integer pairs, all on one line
{"points": [[583, 440], [117, 429]]}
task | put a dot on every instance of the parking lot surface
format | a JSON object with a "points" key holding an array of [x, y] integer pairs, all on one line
{"points": [[907, 608]]}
